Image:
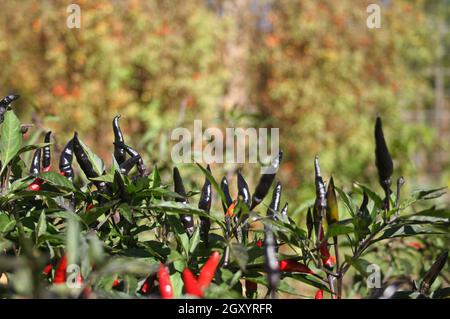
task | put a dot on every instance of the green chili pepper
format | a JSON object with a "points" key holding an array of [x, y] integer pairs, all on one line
{"points": [[187, 220]]}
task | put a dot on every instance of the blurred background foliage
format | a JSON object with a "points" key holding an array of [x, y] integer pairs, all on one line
{"points": [[310, 67]]}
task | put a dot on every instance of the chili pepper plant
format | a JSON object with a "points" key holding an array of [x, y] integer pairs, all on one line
{"points": [[72, 228]]}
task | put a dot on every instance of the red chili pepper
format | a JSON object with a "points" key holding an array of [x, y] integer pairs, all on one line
{"points": [[319, 294], [115, 283], [191, 285], [147, 285], [328, 260], [259, 243], [208, 270], [230, 210], [60, 272], [165, 285], [89, 207], [47, 169], [294, 266], [47, 269]]}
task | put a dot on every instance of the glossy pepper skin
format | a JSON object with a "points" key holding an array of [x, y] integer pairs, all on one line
{"points": [[47, 156], [187, 220], [433, 272], [284, 213], [165, 285], [60, 271], [319, 294], [5, 103], [35, 167], [126, 166], [142, 169], [226, 191], [205, 205], [191, 285], [243, 190], [265, 181], [271, 261], [383, 161], [85, 164], [208, 270], [119, 153], [274, 205], [294, 266], [65, 160]]}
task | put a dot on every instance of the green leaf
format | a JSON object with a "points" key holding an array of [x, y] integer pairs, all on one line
{"points": [[239, 254], [57, 180], [194, 241], [10, 139], [338, 229], [359, 264], [41, 227], [404, 231], [156, 178], [97, 162]]}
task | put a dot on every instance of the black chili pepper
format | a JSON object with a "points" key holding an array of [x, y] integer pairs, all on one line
{"points": [[187, 220], [5, 103], [309, 222], [85, 164], [265, 182], [126, 166], [205, 204], [432, 274], [321, 200], [35, 167], [383, 161], [47, 159], [132, 152], [271, 261], [119, 152], [226, 191], [275, 203], [65, 161], [243, 190]]}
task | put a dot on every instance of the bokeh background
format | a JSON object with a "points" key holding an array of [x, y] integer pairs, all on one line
{"points": [[311, 68]]}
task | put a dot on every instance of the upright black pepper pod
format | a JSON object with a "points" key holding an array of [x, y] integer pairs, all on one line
{"points": [[65, 160], [35, 167], [119, 153], [243, 190], [126, 166], [187, 220], [309, 222], [205, 205], [383, 162], [275, 203], [265, 181], [226, 191], [47, 158]]}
